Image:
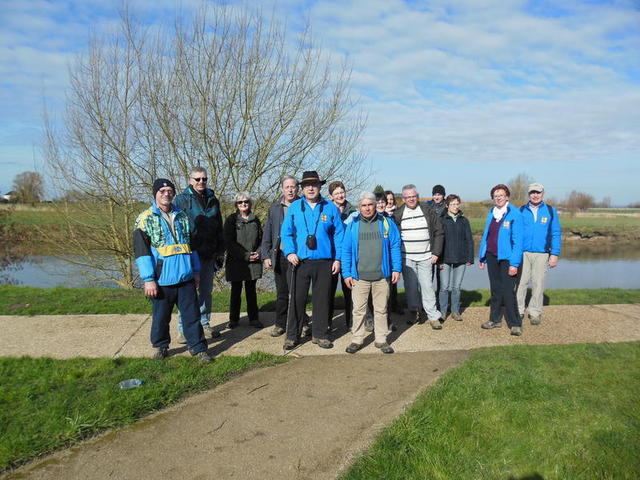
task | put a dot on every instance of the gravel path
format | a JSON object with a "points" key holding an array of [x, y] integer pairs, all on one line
{"points": [[305, 419]]}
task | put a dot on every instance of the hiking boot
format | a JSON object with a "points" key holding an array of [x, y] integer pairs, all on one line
{"points": [[435, 324], [353, 348], [181, 340], [289, 344], [203, 357], [413, 318], [232, 324], [161, 353], [322, 342], [489, 325], [210, 332], [384, 347], [256, 324], [277, 331], [516, 331], [456, 316], [306, 331], [535, 320]]}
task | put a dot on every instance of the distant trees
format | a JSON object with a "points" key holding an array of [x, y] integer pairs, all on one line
{"points": [[578, 201], [519, 186], [28, 187]]}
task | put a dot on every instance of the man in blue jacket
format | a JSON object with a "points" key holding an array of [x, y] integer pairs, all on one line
{"points": [[371, 258], [311, 236], [170, 270], [542, 237], [205, 219]]}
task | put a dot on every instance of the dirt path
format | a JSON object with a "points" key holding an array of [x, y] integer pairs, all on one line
{"points": [[302, 420]]}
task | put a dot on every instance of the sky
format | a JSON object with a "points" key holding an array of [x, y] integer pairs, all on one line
{"points": [[465, 93]]}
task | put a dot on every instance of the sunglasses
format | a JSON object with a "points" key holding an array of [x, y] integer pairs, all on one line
{"points": [[201, 179], [243, 202]]}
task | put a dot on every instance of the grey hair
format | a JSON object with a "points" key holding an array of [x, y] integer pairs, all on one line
{"points": [[242, 196], [288, 177], [196, 170], [364, 195], [410, 186]]}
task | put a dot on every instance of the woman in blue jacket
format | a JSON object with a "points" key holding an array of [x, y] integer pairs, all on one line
{"points": [[501, 252]]}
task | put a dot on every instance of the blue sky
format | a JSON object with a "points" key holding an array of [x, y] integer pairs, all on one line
{"points": [[467, 94]]}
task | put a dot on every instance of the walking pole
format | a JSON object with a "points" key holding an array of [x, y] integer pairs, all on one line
{"points": [[291, 308]]}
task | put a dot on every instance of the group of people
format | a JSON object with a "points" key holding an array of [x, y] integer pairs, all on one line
{"points": [[312, 242]]}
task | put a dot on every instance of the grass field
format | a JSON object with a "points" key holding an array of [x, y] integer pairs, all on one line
{"points": [[16, 300], [49, 404], [525, 412]]}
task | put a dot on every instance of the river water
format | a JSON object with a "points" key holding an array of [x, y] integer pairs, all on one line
{"points": [[578, 268]]}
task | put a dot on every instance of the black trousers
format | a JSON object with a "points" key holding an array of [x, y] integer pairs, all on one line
{"points": [[185, 296], [348, 306], [236, 300], [503, 291], [317, 274], [281, 276]]}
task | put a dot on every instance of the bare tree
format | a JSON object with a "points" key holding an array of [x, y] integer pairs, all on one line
{"points": [[226, 90], [28, 187], [578, 201], [518, 186]]}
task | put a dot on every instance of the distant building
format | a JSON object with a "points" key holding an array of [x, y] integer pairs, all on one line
{"points": [[7, 197]]}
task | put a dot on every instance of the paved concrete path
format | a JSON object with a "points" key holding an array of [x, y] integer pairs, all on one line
{"points": [[67, 336], [305, 419]]}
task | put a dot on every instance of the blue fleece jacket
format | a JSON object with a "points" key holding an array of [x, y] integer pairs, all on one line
{"points": [[509, 237], [542, 235], [390, 244], [301, 220]]}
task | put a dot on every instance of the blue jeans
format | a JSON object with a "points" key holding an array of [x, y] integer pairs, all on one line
{"points": [[184, 296], [418, 285], [207, 273], [451, 278]]}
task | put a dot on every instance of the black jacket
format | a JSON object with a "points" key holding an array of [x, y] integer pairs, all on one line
{"points": [[241, 237], [458, 242], [205, 220], [436, 234]]}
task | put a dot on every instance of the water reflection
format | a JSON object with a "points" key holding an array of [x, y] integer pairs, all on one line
{"points": [[581, 267]]}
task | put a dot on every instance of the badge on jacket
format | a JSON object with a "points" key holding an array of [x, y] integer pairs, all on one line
{"points": [[543, 220], [506, 224], [323, 218]]}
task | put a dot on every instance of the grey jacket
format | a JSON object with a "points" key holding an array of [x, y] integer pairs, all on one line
{"points": [[270, 246], [436, 232]]}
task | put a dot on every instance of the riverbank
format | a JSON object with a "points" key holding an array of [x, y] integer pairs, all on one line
{"points": [[18, 300], [44, 228]]}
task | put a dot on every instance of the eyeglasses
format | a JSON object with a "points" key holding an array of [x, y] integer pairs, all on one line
{"points": [[243, 202], [200, 179]]}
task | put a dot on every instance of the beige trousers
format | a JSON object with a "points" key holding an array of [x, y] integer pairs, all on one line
{"points": [[359, 296], [533, 269]]}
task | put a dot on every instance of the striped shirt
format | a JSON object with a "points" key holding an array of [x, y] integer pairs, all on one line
{"points": [[415, 235]]}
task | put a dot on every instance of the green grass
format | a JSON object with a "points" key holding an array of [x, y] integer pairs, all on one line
{"points": [[535, 412], [17, 300], [49, 404]]}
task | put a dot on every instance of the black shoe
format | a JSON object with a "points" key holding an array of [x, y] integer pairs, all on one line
{"points": [[289, 344], [413, 318], [393, 327], [232, 324], [161, 353], [353, 348], [210, 332], [256, 324], [306, 331]]}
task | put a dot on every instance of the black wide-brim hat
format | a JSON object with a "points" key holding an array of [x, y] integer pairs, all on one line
{"points": [[311, 176]]}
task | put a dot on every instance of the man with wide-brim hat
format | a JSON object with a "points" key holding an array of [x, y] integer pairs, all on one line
{"points": [[311, 236]]}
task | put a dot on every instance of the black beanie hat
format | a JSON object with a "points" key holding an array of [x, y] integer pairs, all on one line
{"points": [[438, 189], [162, 182]]}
